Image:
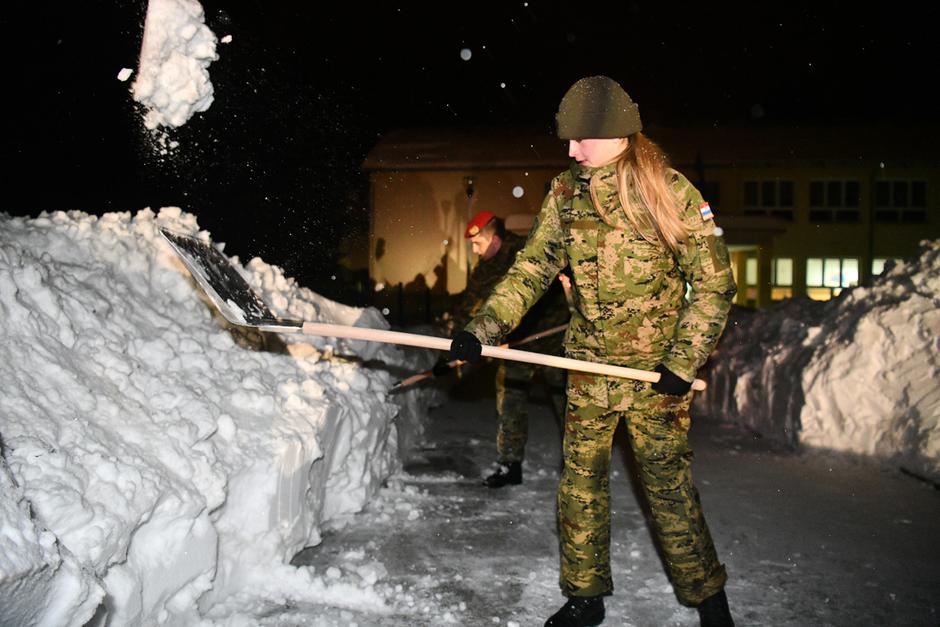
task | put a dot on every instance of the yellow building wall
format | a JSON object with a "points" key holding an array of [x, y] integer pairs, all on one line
{"points": [[803, 238], [419, 218]]}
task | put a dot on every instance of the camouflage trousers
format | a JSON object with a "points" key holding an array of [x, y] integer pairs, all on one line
{"points": [[513, 381], [657, 426]]}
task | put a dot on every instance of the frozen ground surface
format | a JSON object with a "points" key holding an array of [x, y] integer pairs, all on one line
{"points": [[808, 538]]}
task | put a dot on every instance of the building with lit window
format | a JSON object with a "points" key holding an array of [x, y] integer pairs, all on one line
{"points": [[804, 210], [814, 210]]}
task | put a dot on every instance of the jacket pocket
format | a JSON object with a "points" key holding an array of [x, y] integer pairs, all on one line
{"points": [[630, 267], [581, 247]]}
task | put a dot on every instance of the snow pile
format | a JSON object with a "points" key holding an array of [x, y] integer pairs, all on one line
{"points": [[158, 459], [860, 373], [173, 78], [753, 373], [44, 578]]}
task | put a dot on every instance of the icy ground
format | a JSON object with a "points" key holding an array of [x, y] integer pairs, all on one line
{"points": [[808, 538]]}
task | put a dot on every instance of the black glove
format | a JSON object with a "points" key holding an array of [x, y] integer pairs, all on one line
{"points": [[441, 368], [465, 346], [670, 383]]}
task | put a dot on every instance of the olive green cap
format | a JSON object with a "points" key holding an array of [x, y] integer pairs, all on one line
{"points": [[597, 107]]}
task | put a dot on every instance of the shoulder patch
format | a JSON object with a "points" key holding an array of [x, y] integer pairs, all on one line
{"points": [[706, 211]]}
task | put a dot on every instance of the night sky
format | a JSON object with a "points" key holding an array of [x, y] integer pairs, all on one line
{"points": [[303, 93]]}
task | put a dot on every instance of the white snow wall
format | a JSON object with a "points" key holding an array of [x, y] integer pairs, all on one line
{"points": [[155, 459], [859, 373]]}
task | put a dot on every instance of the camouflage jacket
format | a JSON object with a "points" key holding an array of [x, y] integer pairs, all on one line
{"points": [[630, 290], [550, 311]]}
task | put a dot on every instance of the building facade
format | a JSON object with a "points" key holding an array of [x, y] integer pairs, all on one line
{"points": [[805, 211]]}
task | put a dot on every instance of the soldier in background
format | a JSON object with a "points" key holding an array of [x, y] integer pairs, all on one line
{"points": [[635, 232], [496, 248]]}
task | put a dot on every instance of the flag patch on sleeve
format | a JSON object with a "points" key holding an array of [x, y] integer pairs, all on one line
{"points": [[706, 211]]}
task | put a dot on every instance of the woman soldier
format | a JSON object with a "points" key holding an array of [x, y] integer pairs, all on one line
{"points": [[635, 233]]}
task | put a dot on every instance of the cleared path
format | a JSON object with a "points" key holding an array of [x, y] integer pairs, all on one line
{"points": [[808, 539]]}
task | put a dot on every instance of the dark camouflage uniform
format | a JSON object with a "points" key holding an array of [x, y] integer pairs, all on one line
{"points": [[631, 310], [513, 379]]}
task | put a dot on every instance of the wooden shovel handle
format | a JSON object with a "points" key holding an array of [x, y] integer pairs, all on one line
{"points": [[510, 354]]}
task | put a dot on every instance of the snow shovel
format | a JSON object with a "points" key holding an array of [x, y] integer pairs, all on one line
{"points": [[241, 306], [421, 376]]}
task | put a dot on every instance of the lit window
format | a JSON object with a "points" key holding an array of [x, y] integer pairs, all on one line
{"points": [[781, 273], [750, 272], [831, 274], [814, 272], [849, 272], [819, 293], [825, 278], [878, 264], [781, 269]]}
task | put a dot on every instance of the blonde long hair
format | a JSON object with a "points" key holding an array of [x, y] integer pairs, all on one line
{"points": [[644, 169]]}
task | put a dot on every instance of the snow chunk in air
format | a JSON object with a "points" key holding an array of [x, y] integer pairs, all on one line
{"points": [[173, 78]]}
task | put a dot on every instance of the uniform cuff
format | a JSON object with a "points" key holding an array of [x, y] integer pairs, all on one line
{"points": [[485, 329], [679, 370]]}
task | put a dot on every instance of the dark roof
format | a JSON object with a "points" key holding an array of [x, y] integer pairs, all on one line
{"points": [[799, 145], [446, 148]]}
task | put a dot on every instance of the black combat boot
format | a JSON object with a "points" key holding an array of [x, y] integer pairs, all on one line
{"points": [[578, 612], [714, 612], [506, 474]]}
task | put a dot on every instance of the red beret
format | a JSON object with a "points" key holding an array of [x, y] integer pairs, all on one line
{"points": [[478, 222]]}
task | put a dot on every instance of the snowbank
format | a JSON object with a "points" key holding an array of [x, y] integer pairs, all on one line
{"points": [[156, 459], [860, 373]]}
